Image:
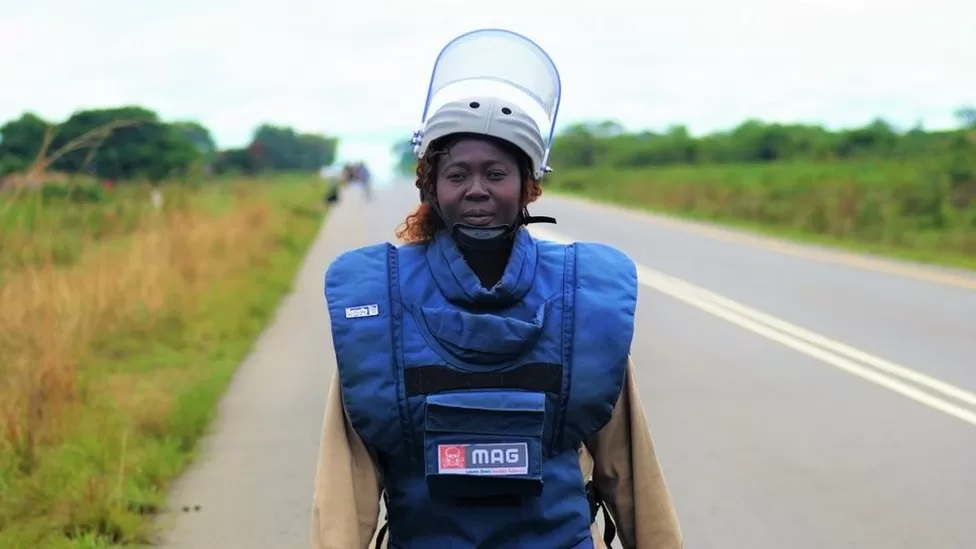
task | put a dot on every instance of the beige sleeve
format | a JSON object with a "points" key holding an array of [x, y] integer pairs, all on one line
{"points": [[628, 476], [347, 483]]}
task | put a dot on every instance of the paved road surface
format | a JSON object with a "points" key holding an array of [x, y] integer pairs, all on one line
{"points": [[799, 399]]}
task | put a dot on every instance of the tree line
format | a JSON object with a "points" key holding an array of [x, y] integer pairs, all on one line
{"points": [[607, 144], [133, 142]]}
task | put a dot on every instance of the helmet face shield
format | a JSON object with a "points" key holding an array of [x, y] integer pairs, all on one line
{"points": [[494, 82]]}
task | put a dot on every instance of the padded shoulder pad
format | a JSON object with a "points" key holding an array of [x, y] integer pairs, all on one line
{"points": [[348, 272], [602, 262], [604, 306], [363, 314]]}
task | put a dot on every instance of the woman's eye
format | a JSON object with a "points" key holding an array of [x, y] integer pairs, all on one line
{"points": [[496, 176], [455, 177]]}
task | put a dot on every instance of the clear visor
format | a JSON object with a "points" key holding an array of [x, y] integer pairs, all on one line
{"points": [[497, 63]]}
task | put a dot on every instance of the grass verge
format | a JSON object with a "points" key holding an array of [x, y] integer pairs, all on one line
{"points": [[907, 209], [113, 362]]}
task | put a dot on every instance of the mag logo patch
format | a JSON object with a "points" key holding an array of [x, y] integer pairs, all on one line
{"points": [[496, 459]]}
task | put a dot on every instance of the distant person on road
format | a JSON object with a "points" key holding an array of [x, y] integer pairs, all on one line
{"points": [[485, 389], [362, 173], [348, 174]]}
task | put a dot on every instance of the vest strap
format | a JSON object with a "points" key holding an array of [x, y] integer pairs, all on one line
{"points": [[596, 504], [538, 378]]}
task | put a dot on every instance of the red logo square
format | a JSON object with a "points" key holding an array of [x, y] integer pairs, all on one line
{"points": [[451, 457]]}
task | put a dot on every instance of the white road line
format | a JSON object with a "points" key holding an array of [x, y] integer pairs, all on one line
{"points": [[839, 355]]}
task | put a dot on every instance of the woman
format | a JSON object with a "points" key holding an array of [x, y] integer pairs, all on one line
{"points": [[484, 375]]}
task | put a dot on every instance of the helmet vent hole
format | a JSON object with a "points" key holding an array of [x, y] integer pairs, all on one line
{"points": [[506, 110], [474, 104]]}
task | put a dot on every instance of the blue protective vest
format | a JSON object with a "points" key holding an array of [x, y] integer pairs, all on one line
{"points": [[475, 401]]}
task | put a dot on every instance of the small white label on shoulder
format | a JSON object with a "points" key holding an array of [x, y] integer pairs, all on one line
{"points": [[362, 311]]}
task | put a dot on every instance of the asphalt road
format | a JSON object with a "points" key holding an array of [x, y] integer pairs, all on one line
{"points": [[799, 398]]}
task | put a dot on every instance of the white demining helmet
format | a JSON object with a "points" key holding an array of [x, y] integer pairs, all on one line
{"points": [[493, 82]]}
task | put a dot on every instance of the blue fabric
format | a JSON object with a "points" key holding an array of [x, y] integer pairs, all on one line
{"points": [[411, 313]]}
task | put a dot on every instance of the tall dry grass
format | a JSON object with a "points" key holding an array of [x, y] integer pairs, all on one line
{"points": [[58, 319], [52, 316]]}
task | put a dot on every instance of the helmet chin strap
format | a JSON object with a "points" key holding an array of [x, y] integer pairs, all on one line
{"points": [[483, 239], [490, 238]]}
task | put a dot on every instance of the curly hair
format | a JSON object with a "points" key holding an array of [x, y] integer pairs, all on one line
{"points": [[424, 222]]}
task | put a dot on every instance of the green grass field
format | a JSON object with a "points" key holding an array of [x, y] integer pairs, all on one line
{"points": [[908, 208]]}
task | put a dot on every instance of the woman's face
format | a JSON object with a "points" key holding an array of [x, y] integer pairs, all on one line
{"points": [[478, 183]]}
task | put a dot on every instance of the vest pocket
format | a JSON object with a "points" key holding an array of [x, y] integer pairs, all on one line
{"points": [[484, 444]]}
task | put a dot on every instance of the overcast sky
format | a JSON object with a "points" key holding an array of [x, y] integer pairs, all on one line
{"points": [[359, 70]]}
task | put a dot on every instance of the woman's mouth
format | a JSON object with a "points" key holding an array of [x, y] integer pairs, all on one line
{"points": [[478, 219]]}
